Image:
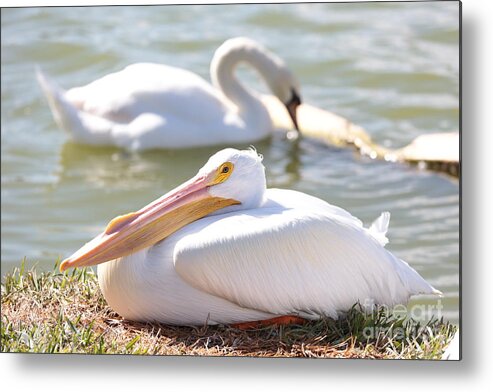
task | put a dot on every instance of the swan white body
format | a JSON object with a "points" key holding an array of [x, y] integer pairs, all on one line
{"points": [[147, 105], [279, 252]]}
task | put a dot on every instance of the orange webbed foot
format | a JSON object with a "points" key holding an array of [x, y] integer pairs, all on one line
{"points": [[281, 320]]}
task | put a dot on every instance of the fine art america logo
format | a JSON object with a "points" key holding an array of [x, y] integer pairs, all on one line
{"points": [[423, 312]]}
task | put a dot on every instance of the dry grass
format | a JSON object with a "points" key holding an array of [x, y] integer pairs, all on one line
{"points": [[66, 313]]}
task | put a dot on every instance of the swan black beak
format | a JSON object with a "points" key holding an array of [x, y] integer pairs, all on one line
{"points": [[292, 106]]}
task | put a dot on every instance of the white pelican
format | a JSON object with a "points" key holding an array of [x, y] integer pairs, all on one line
{"points": [[221, 248], [149, 105]]}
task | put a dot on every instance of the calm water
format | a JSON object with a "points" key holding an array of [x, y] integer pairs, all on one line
{"points": [[392, 68]]}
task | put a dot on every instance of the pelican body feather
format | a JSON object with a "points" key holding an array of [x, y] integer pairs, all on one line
{"points": [[295, 255]]}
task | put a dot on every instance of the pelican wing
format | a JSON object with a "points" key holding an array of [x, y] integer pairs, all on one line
{"points": [[287, 259]]}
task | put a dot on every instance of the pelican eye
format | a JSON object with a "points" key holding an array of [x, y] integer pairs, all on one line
{"points": [[223, 172]]}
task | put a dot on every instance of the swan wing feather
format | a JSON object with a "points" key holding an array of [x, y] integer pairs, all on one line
{"points": [[148, 88]]}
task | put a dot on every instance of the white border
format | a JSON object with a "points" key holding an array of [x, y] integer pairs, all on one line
{"points": [[77, 373]]}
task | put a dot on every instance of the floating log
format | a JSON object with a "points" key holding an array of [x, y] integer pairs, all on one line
{"points": [[437, 151]]}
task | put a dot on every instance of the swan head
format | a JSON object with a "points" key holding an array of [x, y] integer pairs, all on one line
{"points": [[281, 81], [230, 180], [285, 87]]}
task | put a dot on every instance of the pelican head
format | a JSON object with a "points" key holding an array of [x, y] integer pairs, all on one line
{"points": [[230, 180], [246, 177]]}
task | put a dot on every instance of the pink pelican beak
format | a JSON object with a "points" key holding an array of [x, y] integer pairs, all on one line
{"points": [[127, 234]]}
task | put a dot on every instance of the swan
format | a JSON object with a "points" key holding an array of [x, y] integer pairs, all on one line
{"points": [[147, 105], [221, 248]]}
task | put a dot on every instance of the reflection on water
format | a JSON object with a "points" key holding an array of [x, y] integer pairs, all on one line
{"points": [[391, 67]]}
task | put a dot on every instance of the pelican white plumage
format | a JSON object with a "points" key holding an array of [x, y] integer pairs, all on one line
{"points": [[149, 105], [222, 248], [453, 352]]}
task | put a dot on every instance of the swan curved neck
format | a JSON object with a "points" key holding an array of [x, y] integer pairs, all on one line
{"points": [[223, 67]]}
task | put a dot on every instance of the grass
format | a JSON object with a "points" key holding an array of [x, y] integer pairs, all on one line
{"points": [[50, 312]]}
